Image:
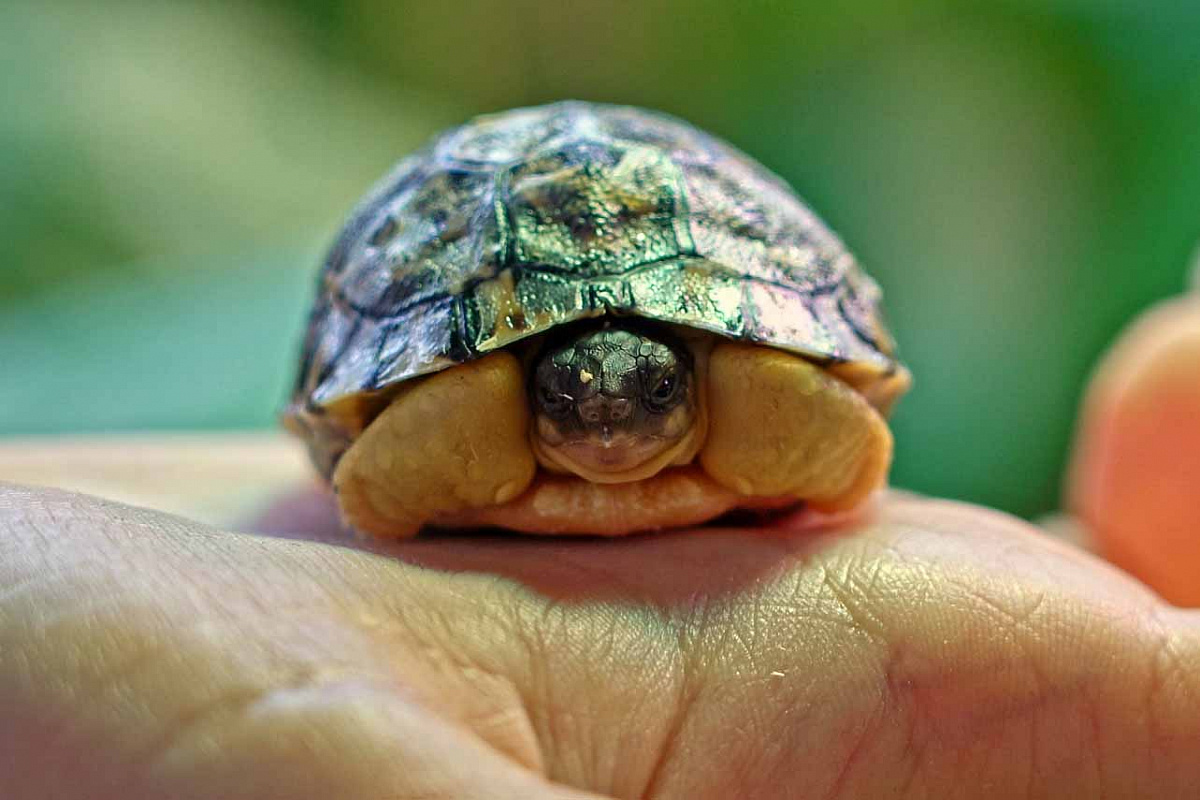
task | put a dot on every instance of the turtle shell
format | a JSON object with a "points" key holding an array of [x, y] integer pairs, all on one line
{"points": [[521, 221]]}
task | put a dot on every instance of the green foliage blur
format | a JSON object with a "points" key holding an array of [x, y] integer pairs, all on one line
{"points": [[1022, 176]]}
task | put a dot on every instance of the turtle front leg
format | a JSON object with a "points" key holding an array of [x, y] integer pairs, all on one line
{"points": [[455, 441], [782, 426]]}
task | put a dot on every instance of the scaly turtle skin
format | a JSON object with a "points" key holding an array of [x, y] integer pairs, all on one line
{"points": [[574, 217]]}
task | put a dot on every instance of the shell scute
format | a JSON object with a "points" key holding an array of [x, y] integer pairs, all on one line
{"points": [[594, 209]]}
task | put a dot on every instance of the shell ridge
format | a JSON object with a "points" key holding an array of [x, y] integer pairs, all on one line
{"points": [[462, 343], [328, 368], [385, 332], [503, 214]]}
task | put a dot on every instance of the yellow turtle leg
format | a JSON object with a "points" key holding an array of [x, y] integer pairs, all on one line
{"points": [[782, 426], [454, 441]]}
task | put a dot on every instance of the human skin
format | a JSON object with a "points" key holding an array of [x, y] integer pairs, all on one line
{"points": [[921, 648]]}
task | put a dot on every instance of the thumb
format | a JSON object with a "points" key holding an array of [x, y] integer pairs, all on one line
{"points": [[1135, 478]]}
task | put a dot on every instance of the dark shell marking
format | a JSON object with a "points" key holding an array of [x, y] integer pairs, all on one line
{"points": [[522, 221]]}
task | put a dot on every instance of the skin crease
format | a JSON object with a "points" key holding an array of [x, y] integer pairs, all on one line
{"points": [[919, 648]]}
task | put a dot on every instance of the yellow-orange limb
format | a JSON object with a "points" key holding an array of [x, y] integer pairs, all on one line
{"points": [[780, 425], [454, 441]]}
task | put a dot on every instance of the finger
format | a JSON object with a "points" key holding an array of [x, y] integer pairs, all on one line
{"points": [[1135, 478], [143, 656]]}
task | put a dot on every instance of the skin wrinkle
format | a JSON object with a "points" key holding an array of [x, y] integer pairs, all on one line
{"points": [[212, 715], [839, 588], [862, 619], [537, 692], [1157, 686], [1031, 764], [852, 758], [672, 686], [1043, 683], [662, 680], [864, 622], [718, 636], [539, 683], [472, 670], [688, 621], [868, 730], [1095, 740], [1012, 716], [367, 721], [542, 625], [1043, 599], [520, 740], [673, 737], [72, 616], [894, 689], [1022, 615], [195, 724], [739, 675]]}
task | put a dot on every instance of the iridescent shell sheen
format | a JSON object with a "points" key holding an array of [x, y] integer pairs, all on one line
{"points": [[522, 221]]}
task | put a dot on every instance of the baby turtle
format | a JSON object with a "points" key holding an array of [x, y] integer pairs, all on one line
{"points": [[584, 318]]}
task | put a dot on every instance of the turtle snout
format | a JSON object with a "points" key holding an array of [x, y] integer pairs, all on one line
{"points": [[602, 410]]}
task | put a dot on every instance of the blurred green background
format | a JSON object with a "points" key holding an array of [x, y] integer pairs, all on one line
{"points": [[1022, 177]]}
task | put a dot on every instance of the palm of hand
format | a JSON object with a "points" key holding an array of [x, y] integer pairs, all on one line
{"points": [[930, 644]]}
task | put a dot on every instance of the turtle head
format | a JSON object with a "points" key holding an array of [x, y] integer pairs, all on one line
{"points": [[613, 404]]}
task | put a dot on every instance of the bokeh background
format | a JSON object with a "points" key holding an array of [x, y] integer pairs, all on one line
{"points": [[1022, 176]]}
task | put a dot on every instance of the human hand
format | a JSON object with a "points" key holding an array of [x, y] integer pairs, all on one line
{"points": [[925, 648]]}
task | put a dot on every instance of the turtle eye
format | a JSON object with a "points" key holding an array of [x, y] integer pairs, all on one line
{"points": [[556, 404], [664, 393]]}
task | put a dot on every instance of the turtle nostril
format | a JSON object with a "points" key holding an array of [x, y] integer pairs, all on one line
{"points": [[619, 410], [605, 410]]}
